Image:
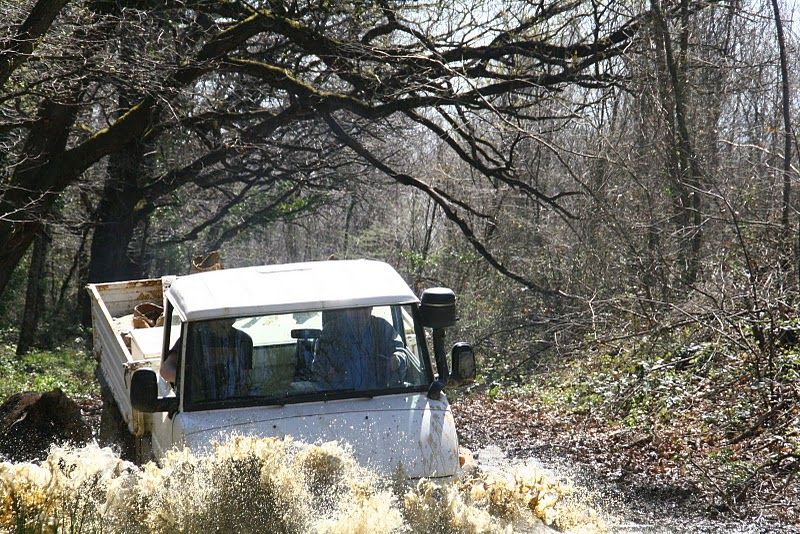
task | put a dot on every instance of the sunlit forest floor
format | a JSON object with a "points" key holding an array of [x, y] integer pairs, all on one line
{"points": [[68, 368], [704, 429]]}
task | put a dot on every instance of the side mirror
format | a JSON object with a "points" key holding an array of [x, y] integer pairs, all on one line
{"points": [[144, 393], [438, 307], [463, 358]]}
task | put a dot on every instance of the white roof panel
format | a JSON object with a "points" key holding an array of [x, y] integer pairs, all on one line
{"points": [[286, 288]]}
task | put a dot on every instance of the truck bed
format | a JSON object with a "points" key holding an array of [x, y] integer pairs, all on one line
{"points": [[119, 348]]}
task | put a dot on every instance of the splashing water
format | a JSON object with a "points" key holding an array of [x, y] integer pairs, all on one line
{"points": [[274, 485]]}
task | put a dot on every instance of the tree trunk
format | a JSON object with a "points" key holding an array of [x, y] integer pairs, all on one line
{"points": [[18, 48], [34, 295], [116, 219], [34, 186], [28, 197], [690, 178], [347, 221], [787, 140]]}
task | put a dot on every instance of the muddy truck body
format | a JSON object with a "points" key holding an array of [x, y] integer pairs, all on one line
{"points": [[320, 351]]}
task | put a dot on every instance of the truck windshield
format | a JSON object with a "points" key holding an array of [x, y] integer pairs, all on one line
{"points": [[305, 355]]}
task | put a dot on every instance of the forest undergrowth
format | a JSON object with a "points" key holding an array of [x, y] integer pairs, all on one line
{"points": [[66, 367], [705, 413]]}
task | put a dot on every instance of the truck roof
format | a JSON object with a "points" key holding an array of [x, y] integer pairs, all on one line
{"points": [[290, 287]]}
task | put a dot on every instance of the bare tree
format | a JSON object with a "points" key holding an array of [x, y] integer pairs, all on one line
{"points": [[787, 131], [345, 64]]}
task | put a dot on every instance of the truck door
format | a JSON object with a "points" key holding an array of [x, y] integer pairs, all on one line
{"points": [[161, 432]]}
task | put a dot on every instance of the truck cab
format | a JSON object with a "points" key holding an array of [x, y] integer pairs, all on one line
{"points": [[320, 351]]}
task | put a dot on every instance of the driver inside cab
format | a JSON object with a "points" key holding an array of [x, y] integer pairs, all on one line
{"points": [[358, 351]]}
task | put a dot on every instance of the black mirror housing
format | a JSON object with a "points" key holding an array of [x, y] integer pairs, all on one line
{"points": [[144, 393], [463, 363], [438, 307], [305, 333]]}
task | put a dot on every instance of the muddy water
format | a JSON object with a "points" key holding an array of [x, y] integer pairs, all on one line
{"points": [[626, 510], [271, 485]]}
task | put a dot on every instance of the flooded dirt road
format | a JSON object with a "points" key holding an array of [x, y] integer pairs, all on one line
{"points": [[250, 485], [622, 509], [276, 485], [516, 483]]}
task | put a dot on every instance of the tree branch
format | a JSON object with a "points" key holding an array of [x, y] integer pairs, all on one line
{"points": [[16, 50], [451, 214]]}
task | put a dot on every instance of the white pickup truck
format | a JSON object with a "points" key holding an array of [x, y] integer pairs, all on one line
{"points": [[321, 351]]}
